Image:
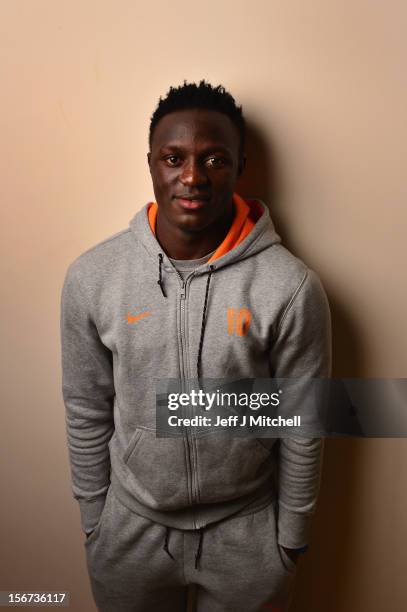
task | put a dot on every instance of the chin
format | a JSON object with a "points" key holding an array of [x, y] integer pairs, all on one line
{"points": [[192, 226], [193, 222]]}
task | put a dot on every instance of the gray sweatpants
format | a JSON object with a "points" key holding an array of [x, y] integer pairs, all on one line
{"points": [[138, 565]]}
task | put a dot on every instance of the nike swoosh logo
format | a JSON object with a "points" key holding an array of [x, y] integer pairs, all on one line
{"points": [[134, 318]]}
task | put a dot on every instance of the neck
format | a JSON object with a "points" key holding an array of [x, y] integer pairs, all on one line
{"points": [[181, 244]]}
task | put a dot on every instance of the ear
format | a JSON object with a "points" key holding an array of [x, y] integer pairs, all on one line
{"points": [[242, 165]]}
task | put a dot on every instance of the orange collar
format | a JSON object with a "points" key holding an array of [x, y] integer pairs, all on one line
{"points": [[242, 224]]}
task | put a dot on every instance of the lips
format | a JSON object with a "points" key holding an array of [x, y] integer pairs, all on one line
{"points": [[192, 202]]}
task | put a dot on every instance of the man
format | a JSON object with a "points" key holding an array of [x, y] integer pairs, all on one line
{"points": [[199, 285]]}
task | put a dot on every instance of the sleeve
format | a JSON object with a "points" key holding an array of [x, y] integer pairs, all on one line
{"points": [[88, 394], [302, 348]]}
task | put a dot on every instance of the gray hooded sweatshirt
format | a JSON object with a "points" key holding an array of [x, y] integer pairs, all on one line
{"points": [[129, 318]]}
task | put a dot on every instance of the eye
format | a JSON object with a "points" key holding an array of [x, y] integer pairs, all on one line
{"points": [[172, 160], [215, 162]]}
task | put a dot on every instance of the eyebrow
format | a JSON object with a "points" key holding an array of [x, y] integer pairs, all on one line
{"points": [[210, 149]]}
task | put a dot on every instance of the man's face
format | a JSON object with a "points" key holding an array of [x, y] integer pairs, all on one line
{"points": [[194, 165]]}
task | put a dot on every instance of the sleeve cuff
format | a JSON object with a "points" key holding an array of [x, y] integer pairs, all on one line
{"points": [[91, 511], [293, 528]]}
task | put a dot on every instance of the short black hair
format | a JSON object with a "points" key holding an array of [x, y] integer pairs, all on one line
{"points": [[204, 95]]}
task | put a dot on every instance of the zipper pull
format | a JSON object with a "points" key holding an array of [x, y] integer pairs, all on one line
{"points": [[183, 290]]}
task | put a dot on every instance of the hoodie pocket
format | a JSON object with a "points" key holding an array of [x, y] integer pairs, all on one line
{"points": [[288, 564], [96, 530], [132, 444], [230, 467], [157, 466]]}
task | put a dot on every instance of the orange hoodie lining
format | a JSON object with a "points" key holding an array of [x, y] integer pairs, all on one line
{"points": [[246, 215]]}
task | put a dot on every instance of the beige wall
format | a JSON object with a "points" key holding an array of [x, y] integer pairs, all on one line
{"points": [[323, 87]]}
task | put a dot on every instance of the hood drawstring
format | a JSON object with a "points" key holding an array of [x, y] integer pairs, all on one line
{"points": [[198, 363], [198, 552], [160, 280]]}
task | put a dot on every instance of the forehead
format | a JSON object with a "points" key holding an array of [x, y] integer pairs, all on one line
{"points": [[195, 126]]}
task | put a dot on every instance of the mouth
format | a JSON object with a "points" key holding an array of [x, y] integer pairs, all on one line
{"points": [[192, 202]]}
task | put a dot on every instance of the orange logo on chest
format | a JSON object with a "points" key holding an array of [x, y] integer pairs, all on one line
{"points": [[133, 318], [238, 321]]}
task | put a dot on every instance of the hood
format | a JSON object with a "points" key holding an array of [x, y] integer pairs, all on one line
{"points": [[252, 231]]}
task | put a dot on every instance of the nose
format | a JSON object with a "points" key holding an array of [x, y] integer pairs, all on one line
{"points": [[193, 173]]}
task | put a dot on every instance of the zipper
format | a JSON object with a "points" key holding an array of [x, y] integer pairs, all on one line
{"points": [[184, 375]]}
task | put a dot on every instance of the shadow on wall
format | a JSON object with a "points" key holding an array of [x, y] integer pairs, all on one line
{"points": [[324, 571], [260, 178]]}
